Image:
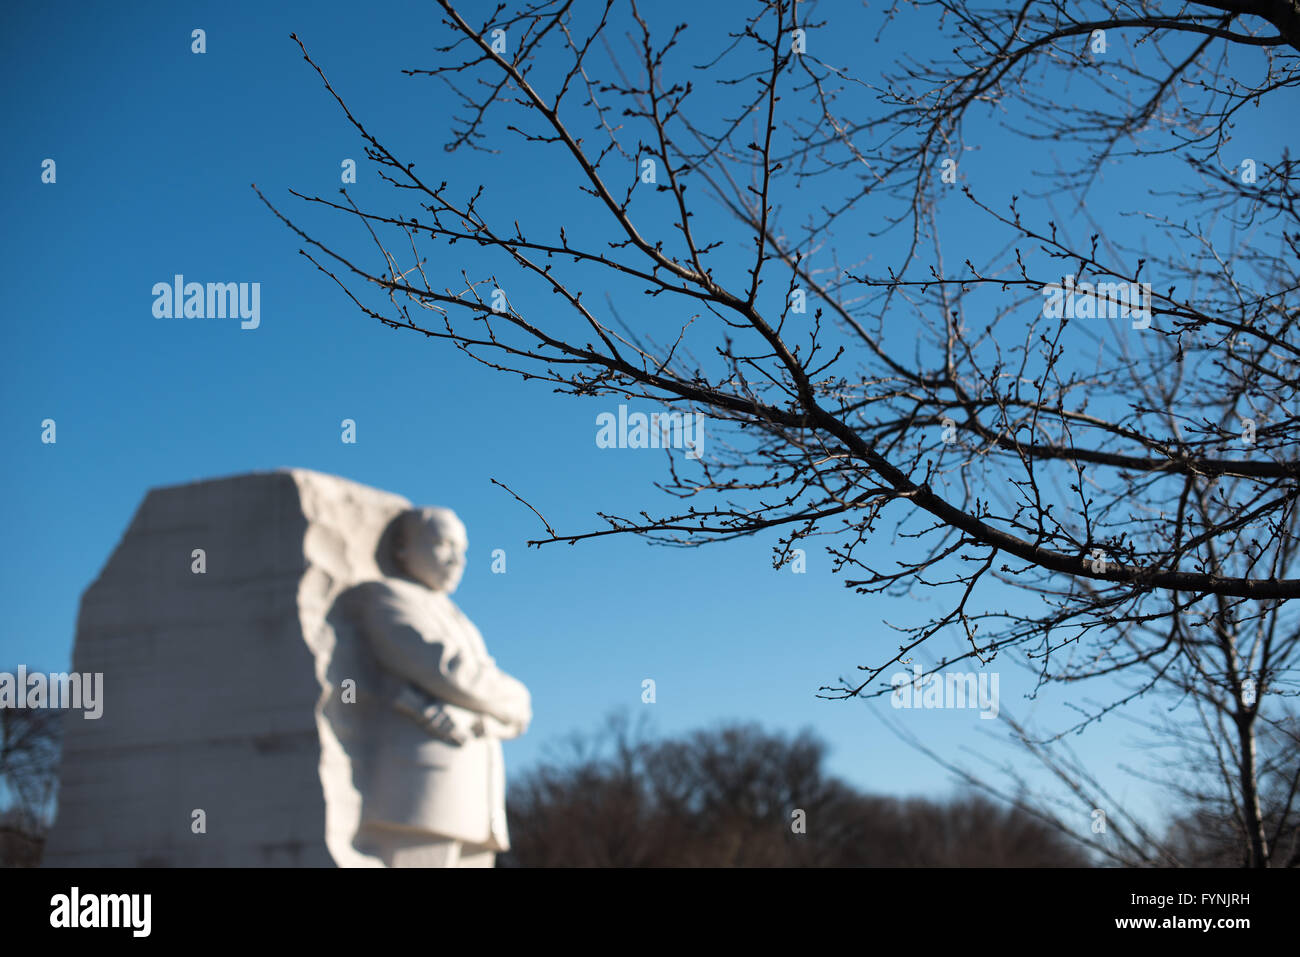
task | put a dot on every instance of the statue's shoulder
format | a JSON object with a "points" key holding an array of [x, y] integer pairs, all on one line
{"points": [[383, 591], [396, 586]]}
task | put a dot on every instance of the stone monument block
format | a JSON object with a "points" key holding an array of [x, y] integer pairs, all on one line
{"points": [[208, 623]]}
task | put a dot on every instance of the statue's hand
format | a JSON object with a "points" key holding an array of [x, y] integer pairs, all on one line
{"points": [[491, 727], [432, 716], [515, 704], [443, 726]]}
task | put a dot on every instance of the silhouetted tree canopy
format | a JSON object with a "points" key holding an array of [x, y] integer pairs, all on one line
{"points": [[727, 798], [30, 741]]}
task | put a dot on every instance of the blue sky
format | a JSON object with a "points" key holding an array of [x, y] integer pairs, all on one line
{"points": [[156, 148]]}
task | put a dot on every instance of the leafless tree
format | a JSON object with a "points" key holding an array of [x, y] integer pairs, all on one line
{"points": [[953, 422], [1197, 771], [30, 741], [737, 796]]}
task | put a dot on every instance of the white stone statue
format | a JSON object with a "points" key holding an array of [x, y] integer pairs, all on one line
{"points": [[282, 688], [431, 706]]}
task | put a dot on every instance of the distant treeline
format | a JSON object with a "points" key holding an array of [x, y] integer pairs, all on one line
{"points": [[741, 797]]}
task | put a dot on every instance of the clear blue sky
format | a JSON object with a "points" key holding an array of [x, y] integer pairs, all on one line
{"points": [[156, 148]]}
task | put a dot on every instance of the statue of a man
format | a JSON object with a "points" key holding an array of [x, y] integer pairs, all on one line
{"points": [[434, 706]]}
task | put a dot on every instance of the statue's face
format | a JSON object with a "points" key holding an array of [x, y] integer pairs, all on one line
{"points": [[435, 550]]}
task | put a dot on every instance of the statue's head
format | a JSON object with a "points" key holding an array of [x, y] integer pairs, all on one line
{"points": [[430, 546]]}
